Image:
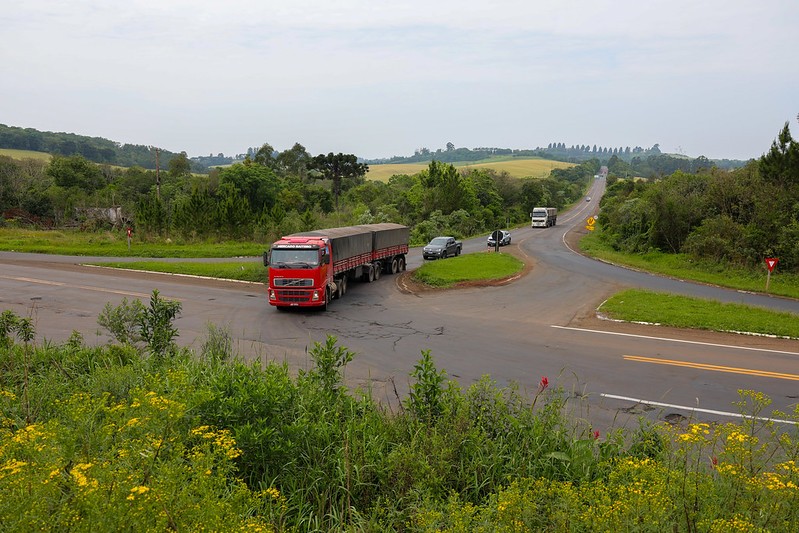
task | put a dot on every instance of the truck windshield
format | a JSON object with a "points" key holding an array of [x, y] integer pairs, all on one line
{"points": [[294, 258], [539, 213]]}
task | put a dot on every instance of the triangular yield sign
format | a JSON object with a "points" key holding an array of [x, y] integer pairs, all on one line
{"points": [[771, 262]]}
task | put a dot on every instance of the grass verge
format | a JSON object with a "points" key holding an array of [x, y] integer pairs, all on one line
{"points": [[635, 305], [237, 270], [114, 244], [471, 267], [683, 267]]}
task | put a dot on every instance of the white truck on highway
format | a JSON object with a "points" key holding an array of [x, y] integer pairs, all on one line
{"points": [[543, 217]]}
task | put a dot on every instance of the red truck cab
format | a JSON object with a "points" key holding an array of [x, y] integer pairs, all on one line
{"points": [[300, 272]]}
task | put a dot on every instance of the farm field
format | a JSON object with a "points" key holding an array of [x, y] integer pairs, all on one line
{"points": [[518, 168], [24, 154]]}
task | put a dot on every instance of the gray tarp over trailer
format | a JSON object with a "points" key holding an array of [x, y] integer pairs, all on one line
{"points": [[388, 234], [347, 242]]}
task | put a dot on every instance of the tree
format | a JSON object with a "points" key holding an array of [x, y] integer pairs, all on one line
{"points": [[446, 190], [450, 147], [295, 161], [340, 167], [265, 156], [179, 165], [75, 171], [781, 164]]}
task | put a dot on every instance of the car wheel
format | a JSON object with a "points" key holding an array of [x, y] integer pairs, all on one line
{"points": [[444, 255]]}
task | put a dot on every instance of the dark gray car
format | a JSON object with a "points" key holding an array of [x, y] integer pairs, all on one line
{"points": [[441, 248]]}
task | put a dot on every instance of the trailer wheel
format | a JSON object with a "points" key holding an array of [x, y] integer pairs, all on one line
{"points": [[377, 272], [342, 287], [401, 263], [369, 275], [394, 266]]}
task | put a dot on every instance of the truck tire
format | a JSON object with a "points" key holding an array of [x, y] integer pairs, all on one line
{"points": [[394, 266], [342, 287], [377, 272], [457, 252], [369, 275], [401, 263], [328, 296]]}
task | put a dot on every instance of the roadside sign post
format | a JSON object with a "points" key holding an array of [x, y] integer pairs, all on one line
{"points": [[590, 221], [771, 262], [130, 234]]}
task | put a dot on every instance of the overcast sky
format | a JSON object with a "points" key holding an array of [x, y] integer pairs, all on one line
{"points": [[376, 79]]}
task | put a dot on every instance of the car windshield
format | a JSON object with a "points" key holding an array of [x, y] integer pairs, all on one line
{"points": [[439, 241], [294, 258]]}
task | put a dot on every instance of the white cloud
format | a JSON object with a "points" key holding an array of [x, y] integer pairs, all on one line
{"points": [[379, 79]]}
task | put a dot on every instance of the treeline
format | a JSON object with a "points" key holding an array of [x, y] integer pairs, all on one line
{"points": [[95, 149], [734, 217], [274, 193], [637, 161]]}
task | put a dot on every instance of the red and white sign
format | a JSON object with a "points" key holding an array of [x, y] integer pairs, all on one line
{"points": [[130, 232], [771, 262]]}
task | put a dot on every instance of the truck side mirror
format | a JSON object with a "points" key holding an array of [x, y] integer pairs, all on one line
{"points": [[266, 258], [326, 259]]}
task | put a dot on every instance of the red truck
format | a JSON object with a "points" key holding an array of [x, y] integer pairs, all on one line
{"points": [[312, 268]]}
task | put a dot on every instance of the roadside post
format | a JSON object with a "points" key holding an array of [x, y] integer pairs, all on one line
{"points": [[130, 234], [497, 235], [771, 262]]}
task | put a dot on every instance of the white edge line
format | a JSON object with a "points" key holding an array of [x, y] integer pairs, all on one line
{"points": [[675, 340], [697, 409], [174, 274]]}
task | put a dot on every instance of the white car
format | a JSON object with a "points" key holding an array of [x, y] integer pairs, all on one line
{"points": [[502, 235]]}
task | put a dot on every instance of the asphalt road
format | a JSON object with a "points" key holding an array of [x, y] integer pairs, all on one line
{"points": [[542, 324]]}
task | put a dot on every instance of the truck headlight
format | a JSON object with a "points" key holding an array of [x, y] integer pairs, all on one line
{"points": [[315, 296]]}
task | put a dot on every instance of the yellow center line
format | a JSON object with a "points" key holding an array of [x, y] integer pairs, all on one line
{"points": [[715, 368]]}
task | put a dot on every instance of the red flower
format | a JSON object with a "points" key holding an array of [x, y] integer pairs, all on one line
{"points": [[715, 461], [596, 434], [544, 383]]}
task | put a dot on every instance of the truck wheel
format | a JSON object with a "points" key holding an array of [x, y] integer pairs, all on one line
{"points": [[328, 297], [401, 264], [394, 266], [377, 272], [457, 252], [369, 275], [342, 287]]}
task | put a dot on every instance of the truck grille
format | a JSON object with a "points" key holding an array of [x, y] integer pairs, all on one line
{"points": [[289, 295], [293, 282]]}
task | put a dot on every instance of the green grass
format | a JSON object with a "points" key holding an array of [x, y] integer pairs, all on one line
{"points": [[686, 312], [237, 270], [471, 267], [518, 168], [114, 244], [683, 267]]}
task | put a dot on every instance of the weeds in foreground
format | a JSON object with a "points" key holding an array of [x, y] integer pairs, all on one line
{"points": [[112, 436]]}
